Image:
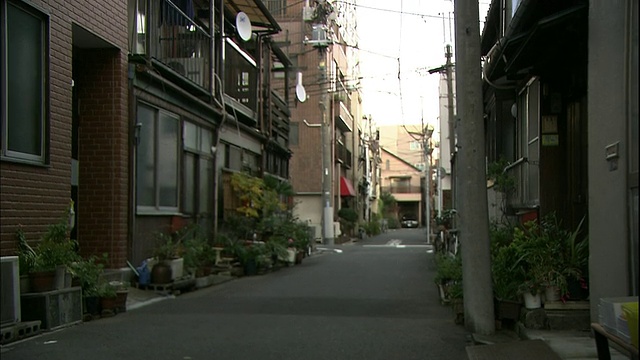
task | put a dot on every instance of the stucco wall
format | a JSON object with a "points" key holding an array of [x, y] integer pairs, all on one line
{"points": [[608, 219]]}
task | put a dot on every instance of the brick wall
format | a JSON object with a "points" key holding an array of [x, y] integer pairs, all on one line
{"points": [[100, 79], [36, 196]]}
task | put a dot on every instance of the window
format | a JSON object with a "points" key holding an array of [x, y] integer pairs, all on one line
{"points": [[294, 135], [198, 170], [157, 160], [277, 7], [528, 142], [415, 145], [24, 78]]}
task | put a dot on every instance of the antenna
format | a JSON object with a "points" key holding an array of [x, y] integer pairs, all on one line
{"points": [[243, 26], [301, 93]]}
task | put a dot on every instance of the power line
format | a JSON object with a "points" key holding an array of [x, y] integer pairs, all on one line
{"points": [[391, 11]]}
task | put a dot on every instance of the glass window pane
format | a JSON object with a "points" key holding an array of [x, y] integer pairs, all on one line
{"points": [[205, 141], [145, 160], [235, 158], [168, 134], [189, 183], [24, 82], [190, 135], [206, 182]]}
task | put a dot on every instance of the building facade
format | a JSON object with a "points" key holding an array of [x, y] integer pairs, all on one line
{"points": [[329, 166]]}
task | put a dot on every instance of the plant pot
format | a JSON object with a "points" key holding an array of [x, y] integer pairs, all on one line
{"points": [[161, 273], [177, 268], [250, 267], [25, 284], [42, 281], [552, 293], [63, 278], [108, 305], [508, 310], [457, 305], [121, 300], [92, 305], [531, 301]]}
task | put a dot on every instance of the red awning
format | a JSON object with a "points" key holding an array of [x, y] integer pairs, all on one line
{"points": [[346, 188]]}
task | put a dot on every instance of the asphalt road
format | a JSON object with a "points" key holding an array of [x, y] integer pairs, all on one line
{"points": [[373, 300]]}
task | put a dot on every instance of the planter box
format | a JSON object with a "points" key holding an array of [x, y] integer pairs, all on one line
{"points": [[55, 309]]}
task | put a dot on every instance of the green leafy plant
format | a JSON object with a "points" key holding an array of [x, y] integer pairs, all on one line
{"points": [[26, 254], [106, 290], [502, 182], [348, 220], [89, 272], [449, 274]]}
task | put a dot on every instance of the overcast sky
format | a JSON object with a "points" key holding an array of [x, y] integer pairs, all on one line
{"points": [[405, 37]]}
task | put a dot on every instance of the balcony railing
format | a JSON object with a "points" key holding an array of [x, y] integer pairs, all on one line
{"points": [[410, 189], [343, 155], [169, 34]]}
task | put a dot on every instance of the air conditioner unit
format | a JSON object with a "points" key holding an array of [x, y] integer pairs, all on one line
{"points": [[191, 68], [9, 290], [307, 13]]}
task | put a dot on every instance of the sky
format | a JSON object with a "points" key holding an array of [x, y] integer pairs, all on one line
{"points": [[399, 42]]}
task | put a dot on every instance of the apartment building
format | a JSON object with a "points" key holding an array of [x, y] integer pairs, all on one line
{"points": [[329, 143]]}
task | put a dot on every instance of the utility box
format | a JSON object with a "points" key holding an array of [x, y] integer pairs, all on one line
{"points": [[55, 309]]}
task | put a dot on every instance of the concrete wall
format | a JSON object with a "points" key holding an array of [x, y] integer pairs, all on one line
{"points": [[309, 209], [608, 124]]}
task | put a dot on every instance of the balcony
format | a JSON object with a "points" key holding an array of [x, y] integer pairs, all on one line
{"points": [[342, 115], [408, 189], [343, 155], [172, 36]]}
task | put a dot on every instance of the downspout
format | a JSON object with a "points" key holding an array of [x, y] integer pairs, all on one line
{"points": [[219, 64]]}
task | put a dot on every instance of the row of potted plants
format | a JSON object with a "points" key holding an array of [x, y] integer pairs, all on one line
{"points": [[261, 234], [538, 258]]}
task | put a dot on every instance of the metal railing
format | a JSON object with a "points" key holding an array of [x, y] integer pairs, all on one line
{"points": [[408, 189], [169, 34]]}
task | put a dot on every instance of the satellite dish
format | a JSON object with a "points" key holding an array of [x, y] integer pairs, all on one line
{"points": [[243, 26], [301, 93]]}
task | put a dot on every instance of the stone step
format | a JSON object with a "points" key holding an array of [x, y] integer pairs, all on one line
{"points": [[569, 319]]}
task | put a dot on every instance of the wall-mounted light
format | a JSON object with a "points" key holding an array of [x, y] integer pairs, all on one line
{"points": [[514, 110]]}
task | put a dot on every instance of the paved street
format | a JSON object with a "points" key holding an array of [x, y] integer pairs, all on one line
{"points": [[374, 300]]}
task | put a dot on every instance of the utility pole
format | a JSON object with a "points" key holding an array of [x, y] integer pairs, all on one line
{"points": [[471, 180], [327, 214], [451, 122]]}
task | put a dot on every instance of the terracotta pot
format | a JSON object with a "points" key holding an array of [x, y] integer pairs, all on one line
{"points": [[161, 273], [42, 281], [108, 304]]}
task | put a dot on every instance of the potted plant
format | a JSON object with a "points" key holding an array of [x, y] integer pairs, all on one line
{"points": [[507, 277], [122, 292], [448, 276], [87, 272], [108, 297], [50, 259], [251, 256], [168, 265]]}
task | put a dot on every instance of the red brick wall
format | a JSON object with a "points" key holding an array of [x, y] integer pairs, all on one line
{"points": [[37, 196], [103, 153]]}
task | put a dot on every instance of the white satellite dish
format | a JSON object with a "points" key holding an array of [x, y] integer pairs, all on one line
{"points": [[301, 93], [243, 26]]}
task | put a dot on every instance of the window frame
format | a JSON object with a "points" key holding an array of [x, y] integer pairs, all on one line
{"points": [[157, 209], [45, 36], [199, 153]]}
